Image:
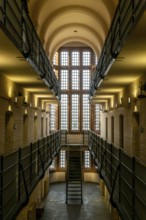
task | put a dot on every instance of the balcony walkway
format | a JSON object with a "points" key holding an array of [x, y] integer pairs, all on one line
{"points": [[94, 206]]}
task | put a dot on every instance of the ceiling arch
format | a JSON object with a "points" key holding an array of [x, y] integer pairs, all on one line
{"points": [[67, 40], [73, 31], [36, 6], [76, 13]]}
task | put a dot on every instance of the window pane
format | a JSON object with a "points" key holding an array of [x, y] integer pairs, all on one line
{"points": [[55, 59], [86, 58], [75, 112], [62, 158], [53, 117], [64, 79], [64, 112], [75, 58], [86, 79], [87, 162], [75, 79], [64, 58], [86, 112], [97, 115]]}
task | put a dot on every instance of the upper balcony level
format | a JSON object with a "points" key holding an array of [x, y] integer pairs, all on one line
{"points": [[23, 59]]}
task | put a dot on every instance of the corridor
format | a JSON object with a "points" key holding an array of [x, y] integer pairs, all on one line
{"points": [[94, 206]]}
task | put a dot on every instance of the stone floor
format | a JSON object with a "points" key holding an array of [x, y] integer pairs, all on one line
{"points": [[94, 206]]}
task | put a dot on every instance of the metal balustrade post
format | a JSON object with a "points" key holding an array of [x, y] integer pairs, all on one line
{"points": [[40, 160], [119, 175], [111, 165], [19, 174], [102, 161], [133, 188], [21, 171], [1, 187], [30, 167]]}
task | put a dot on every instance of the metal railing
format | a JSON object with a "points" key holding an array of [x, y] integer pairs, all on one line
{"points": [[124, 177], [126, 16], [21, 171], [17, 25]]}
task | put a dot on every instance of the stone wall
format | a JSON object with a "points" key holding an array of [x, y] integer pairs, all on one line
{"points": [[134, 121]]}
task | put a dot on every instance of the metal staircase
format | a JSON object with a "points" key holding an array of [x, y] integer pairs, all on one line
{"points": [[74, 177]]}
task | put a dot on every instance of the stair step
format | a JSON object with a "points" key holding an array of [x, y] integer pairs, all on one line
{"points": [[75, 187], [75, 175], [73, 198], [70, 194], [74, 171], [74, 190], [74, 182]]}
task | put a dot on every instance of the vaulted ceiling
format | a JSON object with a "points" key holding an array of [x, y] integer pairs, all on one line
{"points": [[59, 22]]}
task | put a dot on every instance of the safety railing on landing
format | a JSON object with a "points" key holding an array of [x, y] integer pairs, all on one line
{"points": [[126, 16], [124, 177], [17, 25], [21, 171]]}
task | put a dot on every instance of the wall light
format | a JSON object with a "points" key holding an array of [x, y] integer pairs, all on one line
{"points": [[25, 112], [129, 100], [10, 108], [16, 99]]}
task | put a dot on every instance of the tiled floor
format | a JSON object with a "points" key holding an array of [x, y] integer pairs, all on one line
{"points": [[93, 208]]}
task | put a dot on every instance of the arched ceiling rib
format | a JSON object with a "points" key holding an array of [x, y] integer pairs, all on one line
{"points": [[64, 41], [60, 35], [82, 26], [76, 14], [37, 6]]}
